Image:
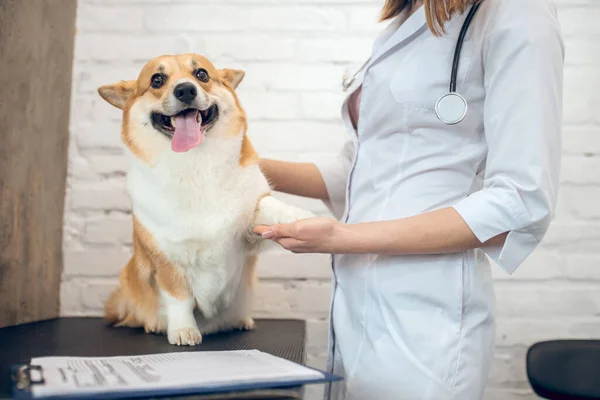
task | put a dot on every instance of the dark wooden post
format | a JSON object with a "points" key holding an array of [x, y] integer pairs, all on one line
{"points": [[36, 56]]}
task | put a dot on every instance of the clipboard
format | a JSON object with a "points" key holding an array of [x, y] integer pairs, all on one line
{"points": [[25, 378]]}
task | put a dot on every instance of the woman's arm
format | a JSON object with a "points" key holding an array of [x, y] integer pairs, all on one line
{"points": [[436, 232], [441, 231], [300, 179]]}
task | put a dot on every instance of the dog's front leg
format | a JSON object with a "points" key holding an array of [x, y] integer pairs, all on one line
{"points": [[271, 211], [177, 303]]}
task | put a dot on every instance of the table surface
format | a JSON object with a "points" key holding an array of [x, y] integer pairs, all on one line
{"points": [[92, 337]]}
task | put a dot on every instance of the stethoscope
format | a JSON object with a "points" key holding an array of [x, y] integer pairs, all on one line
{"points": [[451, 108]]}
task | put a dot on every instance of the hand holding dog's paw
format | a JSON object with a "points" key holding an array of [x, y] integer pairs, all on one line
{"points": [[313, 235], [293, 214], [184, 336], [272, 211]]}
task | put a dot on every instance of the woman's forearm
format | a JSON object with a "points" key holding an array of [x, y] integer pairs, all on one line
{"points": [[300, 179], [441, 231]]}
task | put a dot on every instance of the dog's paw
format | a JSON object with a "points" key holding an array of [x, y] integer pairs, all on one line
{"points": [[272, 211], [184, 336], [288, 214], [154, 326], [247, 324], [244, 324], [293, 214], [150, 329]]}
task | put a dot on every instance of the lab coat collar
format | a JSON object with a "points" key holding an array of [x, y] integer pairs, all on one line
{"points": [[400, 32], [389, 30], [384, 38]]}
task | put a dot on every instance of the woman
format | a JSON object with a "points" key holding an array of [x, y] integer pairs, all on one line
{"points": [[421, 202]]}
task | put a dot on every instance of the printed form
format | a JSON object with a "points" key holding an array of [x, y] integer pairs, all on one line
{"points": [[83, 375]]}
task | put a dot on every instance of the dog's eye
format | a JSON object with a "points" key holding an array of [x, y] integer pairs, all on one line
{"points": [[202, 75], [157, 81]]}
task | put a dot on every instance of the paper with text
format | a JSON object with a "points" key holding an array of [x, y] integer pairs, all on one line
{"points": [[83, 375]]}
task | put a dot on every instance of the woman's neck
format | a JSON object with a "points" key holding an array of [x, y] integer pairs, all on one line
{"points": [[414, 6]]}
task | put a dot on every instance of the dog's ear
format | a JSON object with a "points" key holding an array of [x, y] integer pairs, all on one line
{"points": [[117, 94], [232, 76]]}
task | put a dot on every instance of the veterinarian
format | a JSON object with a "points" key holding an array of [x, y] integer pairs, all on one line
{"points": [[424, 190]]}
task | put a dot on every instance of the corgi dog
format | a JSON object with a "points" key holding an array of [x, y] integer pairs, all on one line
{"points": [[196, 191]]}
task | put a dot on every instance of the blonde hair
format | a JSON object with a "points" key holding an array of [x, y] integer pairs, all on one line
{"points": [[438, 11]]}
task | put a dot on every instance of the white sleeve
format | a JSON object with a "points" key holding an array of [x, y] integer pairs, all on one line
{"points": [[523, 64], [335, 170]]}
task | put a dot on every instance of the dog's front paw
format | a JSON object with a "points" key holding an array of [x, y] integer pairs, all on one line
{"points": [[184, 336], [247, 324], [272, 211], [155, 325], [293, 214]]}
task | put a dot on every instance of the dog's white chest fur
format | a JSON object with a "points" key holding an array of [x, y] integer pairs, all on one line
{"points": [[199, 207]]}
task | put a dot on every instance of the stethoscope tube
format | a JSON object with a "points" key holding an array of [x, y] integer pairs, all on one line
{"points": [[459, 44]]}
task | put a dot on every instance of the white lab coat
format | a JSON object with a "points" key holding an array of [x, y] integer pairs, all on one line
{"points": [[422, 327]]}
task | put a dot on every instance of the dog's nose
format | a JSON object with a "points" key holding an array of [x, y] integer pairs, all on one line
{"points": [[185, 92]]}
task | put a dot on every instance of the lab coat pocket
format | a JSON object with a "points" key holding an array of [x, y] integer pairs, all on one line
{"points": [[423, 78], [420, 300], [422, 337]]}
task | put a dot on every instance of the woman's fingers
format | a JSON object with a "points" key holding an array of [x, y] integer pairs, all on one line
{"points": [[280, 231], [316, 235], [291, 244], [260, 229]]}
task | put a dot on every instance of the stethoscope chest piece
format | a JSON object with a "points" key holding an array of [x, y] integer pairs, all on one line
{"points": [[451, 108]]}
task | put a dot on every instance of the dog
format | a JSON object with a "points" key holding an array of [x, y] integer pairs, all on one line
{"points": [[196, 191]]}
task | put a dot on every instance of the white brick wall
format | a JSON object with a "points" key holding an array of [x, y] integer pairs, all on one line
{"points": [[294, 53]]}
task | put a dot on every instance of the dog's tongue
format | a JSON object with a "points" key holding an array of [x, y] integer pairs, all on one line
{"points": [[187, 131]]}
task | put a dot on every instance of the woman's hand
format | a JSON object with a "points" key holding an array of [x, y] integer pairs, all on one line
{"points": [[312, 235]]}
